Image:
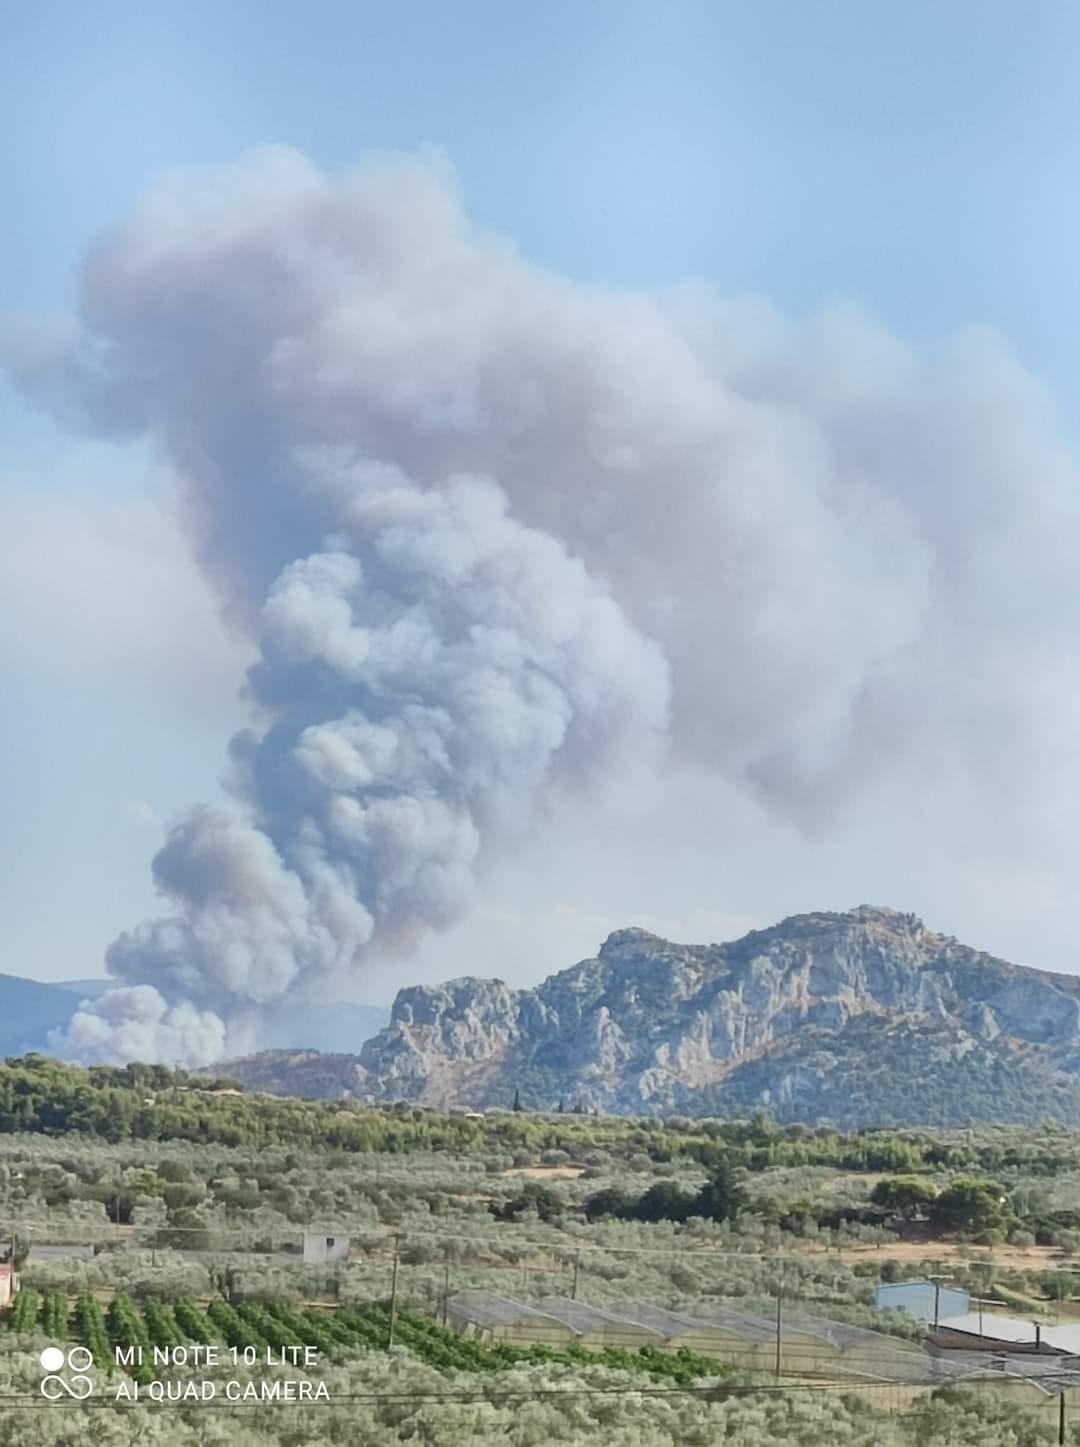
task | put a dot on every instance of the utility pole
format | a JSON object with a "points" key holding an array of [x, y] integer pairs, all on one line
{"points": [[446, 1291], [937, 1280], [577, 1273], [1071, 1271], [779, 1315], [393, 1292]]}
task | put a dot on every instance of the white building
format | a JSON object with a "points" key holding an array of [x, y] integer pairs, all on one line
{"points": [[320, 1247], [924, 1300]]}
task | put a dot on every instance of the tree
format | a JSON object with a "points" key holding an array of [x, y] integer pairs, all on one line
{"points": [[533, 1196], [517, 1100], [721, 1198], [609, 1202], [187, 1232], [970, 1204], [665, 1201], [1058, 1285], [905, 1196]]}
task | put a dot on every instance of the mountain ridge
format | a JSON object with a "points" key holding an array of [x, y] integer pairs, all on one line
{"points": [[30, 1009], [861, 1017]]}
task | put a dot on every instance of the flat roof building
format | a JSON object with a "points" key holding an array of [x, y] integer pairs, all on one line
{"points": [[321, 1247], [984, 1331]]}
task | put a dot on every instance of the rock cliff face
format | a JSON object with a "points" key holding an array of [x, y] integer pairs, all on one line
{"points": [[864, 1017]]}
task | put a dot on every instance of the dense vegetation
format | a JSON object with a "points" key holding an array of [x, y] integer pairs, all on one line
{"points": [[196, 1201], [154, 1103], [721, 1198]]}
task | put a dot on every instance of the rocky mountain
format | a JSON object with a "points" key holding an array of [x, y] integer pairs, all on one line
{"points": [[860, 1018]]}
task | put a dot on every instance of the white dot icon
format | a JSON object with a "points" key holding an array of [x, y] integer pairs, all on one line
{"points": [[51, 1359]]}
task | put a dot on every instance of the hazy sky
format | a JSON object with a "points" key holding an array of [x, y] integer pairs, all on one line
{"points": [[917, 161]]}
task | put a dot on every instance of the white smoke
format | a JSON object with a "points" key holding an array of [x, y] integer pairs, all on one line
{"points": [[476, 515], [421, 681]]}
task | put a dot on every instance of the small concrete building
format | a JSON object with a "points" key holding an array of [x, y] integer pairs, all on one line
{"points": [[321, 1248]]}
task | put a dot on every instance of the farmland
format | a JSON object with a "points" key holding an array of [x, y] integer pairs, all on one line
{"points": [[189, 1243], [269, 1333]]}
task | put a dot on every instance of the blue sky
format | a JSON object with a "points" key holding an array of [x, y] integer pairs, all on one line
{"points": [[919, 159]]}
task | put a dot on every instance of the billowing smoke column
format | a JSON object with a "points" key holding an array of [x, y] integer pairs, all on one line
{"points": [[496, 534], [421, 680]]}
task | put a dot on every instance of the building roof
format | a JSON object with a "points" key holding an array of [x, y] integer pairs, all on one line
{"points": [[680, 1323], [743, 1323], [843, 1335], [919, 1287], [1016, 1329], [487, 1308], [1051, 1375], [584, 1318], [907, 1363]]}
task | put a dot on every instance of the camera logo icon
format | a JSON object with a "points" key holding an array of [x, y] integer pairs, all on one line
{"points": [[74, 1363]]}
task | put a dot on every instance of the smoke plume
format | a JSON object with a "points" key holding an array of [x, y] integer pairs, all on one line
{"points": [[498, 534]]}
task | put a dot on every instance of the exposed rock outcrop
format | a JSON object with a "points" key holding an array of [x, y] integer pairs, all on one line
{"points": [[860, 1017]]}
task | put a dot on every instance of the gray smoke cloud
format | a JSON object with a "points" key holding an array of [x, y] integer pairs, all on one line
{"points": [[499, 534]]}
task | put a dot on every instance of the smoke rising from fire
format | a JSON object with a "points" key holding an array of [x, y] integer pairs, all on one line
{"points": [[498, 534]]}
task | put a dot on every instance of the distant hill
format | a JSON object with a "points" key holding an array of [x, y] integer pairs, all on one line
{"points": [[87, 989], [860, 1018], [294, 1072], [29, 1009]]}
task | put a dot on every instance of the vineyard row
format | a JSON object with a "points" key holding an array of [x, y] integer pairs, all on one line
{"points": [[255, 1331]]}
